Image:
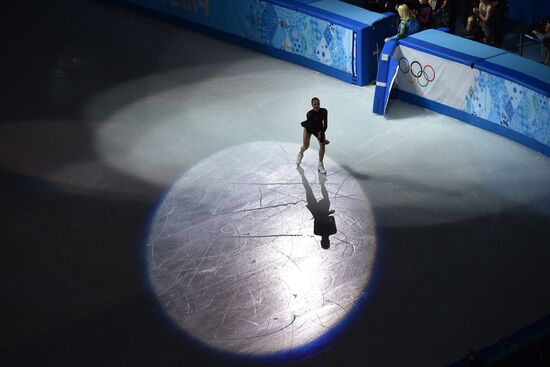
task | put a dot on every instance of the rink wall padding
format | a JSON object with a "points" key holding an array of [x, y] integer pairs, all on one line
{"points": [[328, 36], [482, 85], [387, 71]]}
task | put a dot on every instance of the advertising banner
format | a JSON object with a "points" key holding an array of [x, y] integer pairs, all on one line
{"points": [[434, 78], [477, 93]]}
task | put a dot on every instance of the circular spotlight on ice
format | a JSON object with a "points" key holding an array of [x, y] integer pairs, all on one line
{"points": [[250, 254]]}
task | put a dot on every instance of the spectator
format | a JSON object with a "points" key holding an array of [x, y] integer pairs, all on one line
{"points": [[442, 15], [545, 39], [485, 13], [408, 24], [413, 5], [425, 15], [465, 10], [473, 31]]}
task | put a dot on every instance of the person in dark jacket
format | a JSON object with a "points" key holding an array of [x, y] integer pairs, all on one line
{"points": [[316, 124], [425, 15], [485, 12]]}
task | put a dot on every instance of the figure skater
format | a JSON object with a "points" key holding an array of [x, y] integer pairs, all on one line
{"points": [[316, 124]]}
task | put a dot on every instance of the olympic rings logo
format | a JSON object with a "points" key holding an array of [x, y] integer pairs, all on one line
{"points": [[424, 75]]}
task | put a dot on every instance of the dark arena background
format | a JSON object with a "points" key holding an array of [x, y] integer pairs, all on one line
{"points": [[153, 213]]}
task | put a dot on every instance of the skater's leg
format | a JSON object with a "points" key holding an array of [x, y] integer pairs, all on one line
{"points": [[303, 148]]}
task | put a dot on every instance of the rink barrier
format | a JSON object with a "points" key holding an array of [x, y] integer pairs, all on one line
{"points": [[385, 77], [329, 36], [485, 86]]}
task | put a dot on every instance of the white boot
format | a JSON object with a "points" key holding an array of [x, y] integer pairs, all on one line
{"points": [[299, 158], [321, 168]]}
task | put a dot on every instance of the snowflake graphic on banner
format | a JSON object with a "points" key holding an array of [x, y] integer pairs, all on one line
{"points": [[510, 105], [300, 34]]}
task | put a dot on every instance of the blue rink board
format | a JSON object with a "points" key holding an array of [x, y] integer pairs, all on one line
{"points": [[517, 69], [334, 38], [517, 90], [526, 72], [450, 47]]}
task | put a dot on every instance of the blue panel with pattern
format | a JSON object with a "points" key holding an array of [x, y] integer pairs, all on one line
{"points": [[278, 27], [510, 105], [300, 34]]}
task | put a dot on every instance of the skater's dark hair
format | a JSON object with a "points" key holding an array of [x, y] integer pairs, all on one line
{"points": [[315, 99]]}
